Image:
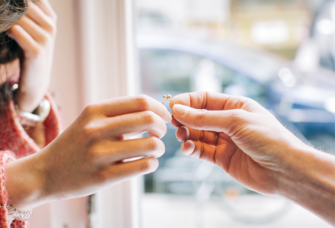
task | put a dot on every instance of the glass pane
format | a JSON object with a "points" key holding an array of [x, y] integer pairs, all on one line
{"points": [[167, 70], [251, 48]]}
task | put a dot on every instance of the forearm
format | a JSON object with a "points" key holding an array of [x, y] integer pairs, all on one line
{"points": [[29, 98], [24, 183], [308, 179]]}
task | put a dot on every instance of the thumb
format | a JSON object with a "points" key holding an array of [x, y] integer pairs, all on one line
{"points": [[226, 121]]}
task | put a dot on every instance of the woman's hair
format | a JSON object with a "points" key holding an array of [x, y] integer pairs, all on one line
{"points": [[11, 11]]}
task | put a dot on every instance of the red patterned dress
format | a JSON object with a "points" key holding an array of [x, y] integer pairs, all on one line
{"points": [[15, 143]]}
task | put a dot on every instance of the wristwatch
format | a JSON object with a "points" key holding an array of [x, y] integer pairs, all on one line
{"points": [[28, 119]]}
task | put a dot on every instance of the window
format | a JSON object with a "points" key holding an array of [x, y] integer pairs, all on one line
{"points": [[181, 179], [95, 59], [188, 45], [167, 70]]}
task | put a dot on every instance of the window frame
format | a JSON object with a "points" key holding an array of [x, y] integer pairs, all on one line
{"points": [[101, 36], [107, 67]]}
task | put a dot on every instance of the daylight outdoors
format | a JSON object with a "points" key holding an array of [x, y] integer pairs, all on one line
{"points": [[278, 52]]}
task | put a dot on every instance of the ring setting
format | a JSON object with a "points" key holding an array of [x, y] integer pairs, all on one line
{"points": [[167, 98]]}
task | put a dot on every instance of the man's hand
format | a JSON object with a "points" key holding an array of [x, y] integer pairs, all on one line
{"points": [[235, 133], [250, 144], [35, 34]]}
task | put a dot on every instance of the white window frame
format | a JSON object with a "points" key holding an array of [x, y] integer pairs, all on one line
{"points": [[106, 67]]}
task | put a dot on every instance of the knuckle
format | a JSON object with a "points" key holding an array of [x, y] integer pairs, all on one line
{"points": [[36, 51], [102, 177], [89, 133], [202, 135], [236, 116], [51, 27], [148, 118], [44, 39], [201, 151], [237, 121], [143, 101], [153, 144], [240, 101], [92, 155], [245, 99], [147, 164], [200, 117], [89, 110], [237, 131]]}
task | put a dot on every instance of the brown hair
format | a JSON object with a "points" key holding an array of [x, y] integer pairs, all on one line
{"points": [[11, 11]]}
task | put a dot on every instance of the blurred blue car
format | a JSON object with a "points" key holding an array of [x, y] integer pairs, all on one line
{"points": [[303, 102]]}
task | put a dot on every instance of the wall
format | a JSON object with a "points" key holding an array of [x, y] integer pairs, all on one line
{"points": [[95, 59], [64, 86], [64, 83]]}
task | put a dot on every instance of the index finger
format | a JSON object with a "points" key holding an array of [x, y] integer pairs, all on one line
{"points": [[205, 100], [202, 100], [132, 104]]}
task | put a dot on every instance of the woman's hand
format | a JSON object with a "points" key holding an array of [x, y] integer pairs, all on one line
{"points": [[91, 154], [35, 34], [251, 145]]}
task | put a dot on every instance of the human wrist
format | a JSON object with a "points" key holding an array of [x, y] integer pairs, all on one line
{"points": [[309, 174], [299, 166], [25, 183], [28, 99]]}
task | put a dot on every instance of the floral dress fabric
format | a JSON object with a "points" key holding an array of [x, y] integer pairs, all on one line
{"points": [[15, 143]]}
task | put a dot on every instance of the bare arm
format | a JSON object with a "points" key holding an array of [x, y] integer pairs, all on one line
{"points": [[309, 180]]}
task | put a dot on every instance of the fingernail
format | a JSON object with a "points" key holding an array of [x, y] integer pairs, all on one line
{"points": [[180, 110], [188, 147], [171, 104], [167, 117], [182, 134]]}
